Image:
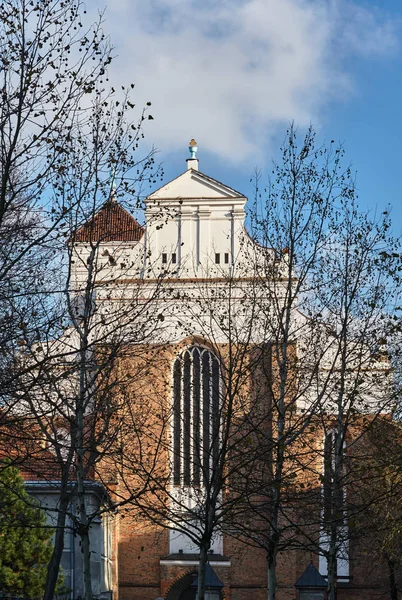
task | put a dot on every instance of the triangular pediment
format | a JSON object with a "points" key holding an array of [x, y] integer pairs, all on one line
{"points": [[194, 184]]}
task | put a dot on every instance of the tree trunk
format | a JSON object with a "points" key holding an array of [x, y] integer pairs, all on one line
{"points": [[83, 528], [81, 409], [271, 559], [53, 569], [393, 588], [83, 531], [201, 571], [274, 533], [332, 572]]}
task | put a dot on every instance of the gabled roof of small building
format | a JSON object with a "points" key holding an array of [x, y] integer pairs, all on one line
{"points": [[211, 579], [311, 578], [111, 223]]}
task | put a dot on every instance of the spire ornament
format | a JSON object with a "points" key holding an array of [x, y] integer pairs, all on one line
{"points": [[193, 148], [192, 162]]}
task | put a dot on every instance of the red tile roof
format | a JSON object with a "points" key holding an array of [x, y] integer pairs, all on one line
{"points": [[111, 223]]}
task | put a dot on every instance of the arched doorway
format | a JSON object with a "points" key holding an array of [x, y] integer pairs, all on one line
{"points": [[181, 589]]}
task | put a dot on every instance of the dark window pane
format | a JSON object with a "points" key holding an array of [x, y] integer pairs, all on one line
{"points": [[164, 258], [196, 416], [206, 395], [217, 258], [174, 258], [66, 564], [215, 411], [328, 478], [186, 418], [226, 258], [176, 421]]}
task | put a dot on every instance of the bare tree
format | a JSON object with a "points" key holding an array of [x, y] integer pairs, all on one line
{"points": [[61, 133], [377, 492], [327, 303], [286, 363], [211, 386]]}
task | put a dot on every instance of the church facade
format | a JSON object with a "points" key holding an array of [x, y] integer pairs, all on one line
{"points": [[200, 408]]}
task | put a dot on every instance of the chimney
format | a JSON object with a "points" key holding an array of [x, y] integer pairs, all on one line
{"points": [[192, 162]]}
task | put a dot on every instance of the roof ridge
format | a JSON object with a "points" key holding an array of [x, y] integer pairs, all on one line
{"points": [[196, 172], [220, 183]]}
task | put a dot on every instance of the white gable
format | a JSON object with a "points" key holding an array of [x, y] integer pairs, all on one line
{"points": [[194, 225], [193, 184]]}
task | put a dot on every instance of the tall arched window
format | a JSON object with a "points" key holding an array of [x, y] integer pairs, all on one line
{"points": [[334, 508], [196, 416], [333, 492]]}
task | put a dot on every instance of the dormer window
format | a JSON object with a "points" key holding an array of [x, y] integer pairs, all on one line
{"points": [[217, 259]]}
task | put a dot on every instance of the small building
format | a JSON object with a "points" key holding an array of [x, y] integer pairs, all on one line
{"points": [[311, 585]]}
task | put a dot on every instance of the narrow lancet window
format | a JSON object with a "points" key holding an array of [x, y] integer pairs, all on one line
{"points": [[333, 491], [334, 510], [176, 421]]}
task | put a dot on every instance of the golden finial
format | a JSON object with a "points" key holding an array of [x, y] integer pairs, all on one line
{"points": [[193, 148]]}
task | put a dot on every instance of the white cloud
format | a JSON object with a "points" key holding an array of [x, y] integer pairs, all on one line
{"points": [[230, 72]]}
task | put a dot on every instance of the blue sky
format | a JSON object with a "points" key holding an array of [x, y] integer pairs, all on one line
{"points": [[233, 73]]}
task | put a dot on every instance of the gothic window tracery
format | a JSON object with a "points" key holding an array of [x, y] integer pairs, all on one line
{"points": [[196, 408]]}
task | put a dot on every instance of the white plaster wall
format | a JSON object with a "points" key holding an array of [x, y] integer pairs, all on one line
{"points": [[46, 493], [194, 218]]}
